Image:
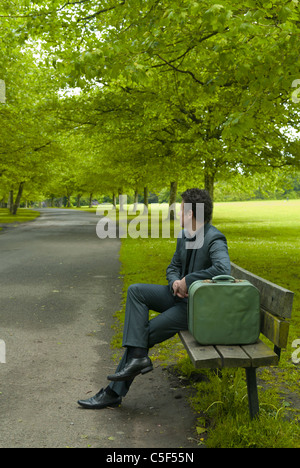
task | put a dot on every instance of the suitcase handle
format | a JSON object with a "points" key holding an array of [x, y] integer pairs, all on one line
{"points": [[221, 278]]}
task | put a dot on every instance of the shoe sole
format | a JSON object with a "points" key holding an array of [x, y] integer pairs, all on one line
{"points": [[113, 405], [146, 370], [130, 377]]}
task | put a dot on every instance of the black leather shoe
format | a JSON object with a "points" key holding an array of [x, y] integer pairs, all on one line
{"points": [[134, 367], [100, 400]]}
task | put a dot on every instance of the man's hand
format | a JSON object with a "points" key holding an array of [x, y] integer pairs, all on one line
{"points": [[180, 288]]}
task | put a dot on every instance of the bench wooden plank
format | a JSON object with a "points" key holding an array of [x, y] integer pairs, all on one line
{"points": [[212, 357], [275, 329], [274, 298], [233, 356], [201, 356], [261, 355]]}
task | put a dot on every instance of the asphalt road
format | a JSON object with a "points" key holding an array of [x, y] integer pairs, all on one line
{"points": [[60, 286]]}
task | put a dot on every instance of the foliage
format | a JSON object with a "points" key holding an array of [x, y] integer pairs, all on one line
{"points": [[169, 91], [28, 150], [280, 184]]}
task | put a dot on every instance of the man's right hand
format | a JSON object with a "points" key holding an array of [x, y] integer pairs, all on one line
{"points": [[175, 287], [180, 289]]}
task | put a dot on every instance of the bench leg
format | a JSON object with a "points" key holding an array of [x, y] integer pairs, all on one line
{"points": [[252, 391]]}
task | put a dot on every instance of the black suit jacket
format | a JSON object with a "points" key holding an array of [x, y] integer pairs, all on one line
{"points": [[209, 260]]}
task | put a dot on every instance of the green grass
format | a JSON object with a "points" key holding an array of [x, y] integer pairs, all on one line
{"points": [[263, 237], [23, 215]]}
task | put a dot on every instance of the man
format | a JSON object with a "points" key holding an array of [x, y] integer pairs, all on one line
{"points": [[201, 253]]}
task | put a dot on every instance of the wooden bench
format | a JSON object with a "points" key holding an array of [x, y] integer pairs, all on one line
{"points": [[276, 310]]}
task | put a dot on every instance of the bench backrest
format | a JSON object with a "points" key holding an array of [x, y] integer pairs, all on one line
{"points": [[276, 306]]}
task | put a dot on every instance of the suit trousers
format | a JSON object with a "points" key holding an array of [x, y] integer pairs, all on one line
{"points": [[141, 332]]}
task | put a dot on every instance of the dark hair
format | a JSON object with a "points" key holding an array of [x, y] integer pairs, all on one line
{"points": [[195, 196]]}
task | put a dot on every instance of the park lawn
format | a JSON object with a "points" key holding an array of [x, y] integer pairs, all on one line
{"points": [[23, 215], [263, 237]]}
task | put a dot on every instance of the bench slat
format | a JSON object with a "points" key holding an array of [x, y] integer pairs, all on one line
{"points": [[261, 355], [201, 356], [274, 298], [275, 329], [233, 356], [218, 357]]}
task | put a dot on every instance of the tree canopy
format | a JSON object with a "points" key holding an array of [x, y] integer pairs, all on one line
{"points": [[120, 95]]}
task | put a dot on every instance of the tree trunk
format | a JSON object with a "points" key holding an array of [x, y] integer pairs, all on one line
{"points": [[121, 200], [91, 200], [114, 201], [10, 201], [78, 201], [18, 199], [209, 178], [172, 202], [135, 205]]}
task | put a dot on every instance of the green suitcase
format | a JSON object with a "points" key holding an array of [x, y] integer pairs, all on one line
{"points": [[224, 311]]}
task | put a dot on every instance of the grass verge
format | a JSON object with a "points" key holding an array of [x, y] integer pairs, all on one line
{"points": [[23, 215]]}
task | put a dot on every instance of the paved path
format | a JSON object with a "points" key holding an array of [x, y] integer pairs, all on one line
{"points": [[60, 287]]}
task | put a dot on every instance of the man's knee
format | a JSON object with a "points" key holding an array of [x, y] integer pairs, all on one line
{"points": [[134, 290]]}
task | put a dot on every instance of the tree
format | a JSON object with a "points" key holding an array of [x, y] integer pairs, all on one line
{"points": [[205, 79], [28, 150]]}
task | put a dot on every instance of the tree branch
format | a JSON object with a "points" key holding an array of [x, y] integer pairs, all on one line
{"points": [[43, 146], [174, 60], [187, 72], [101, 11], [77, 122], [47, 13]]}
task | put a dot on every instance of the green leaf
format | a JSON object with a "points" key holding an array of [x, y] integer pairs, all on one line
{"points": [[200, 430]]}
